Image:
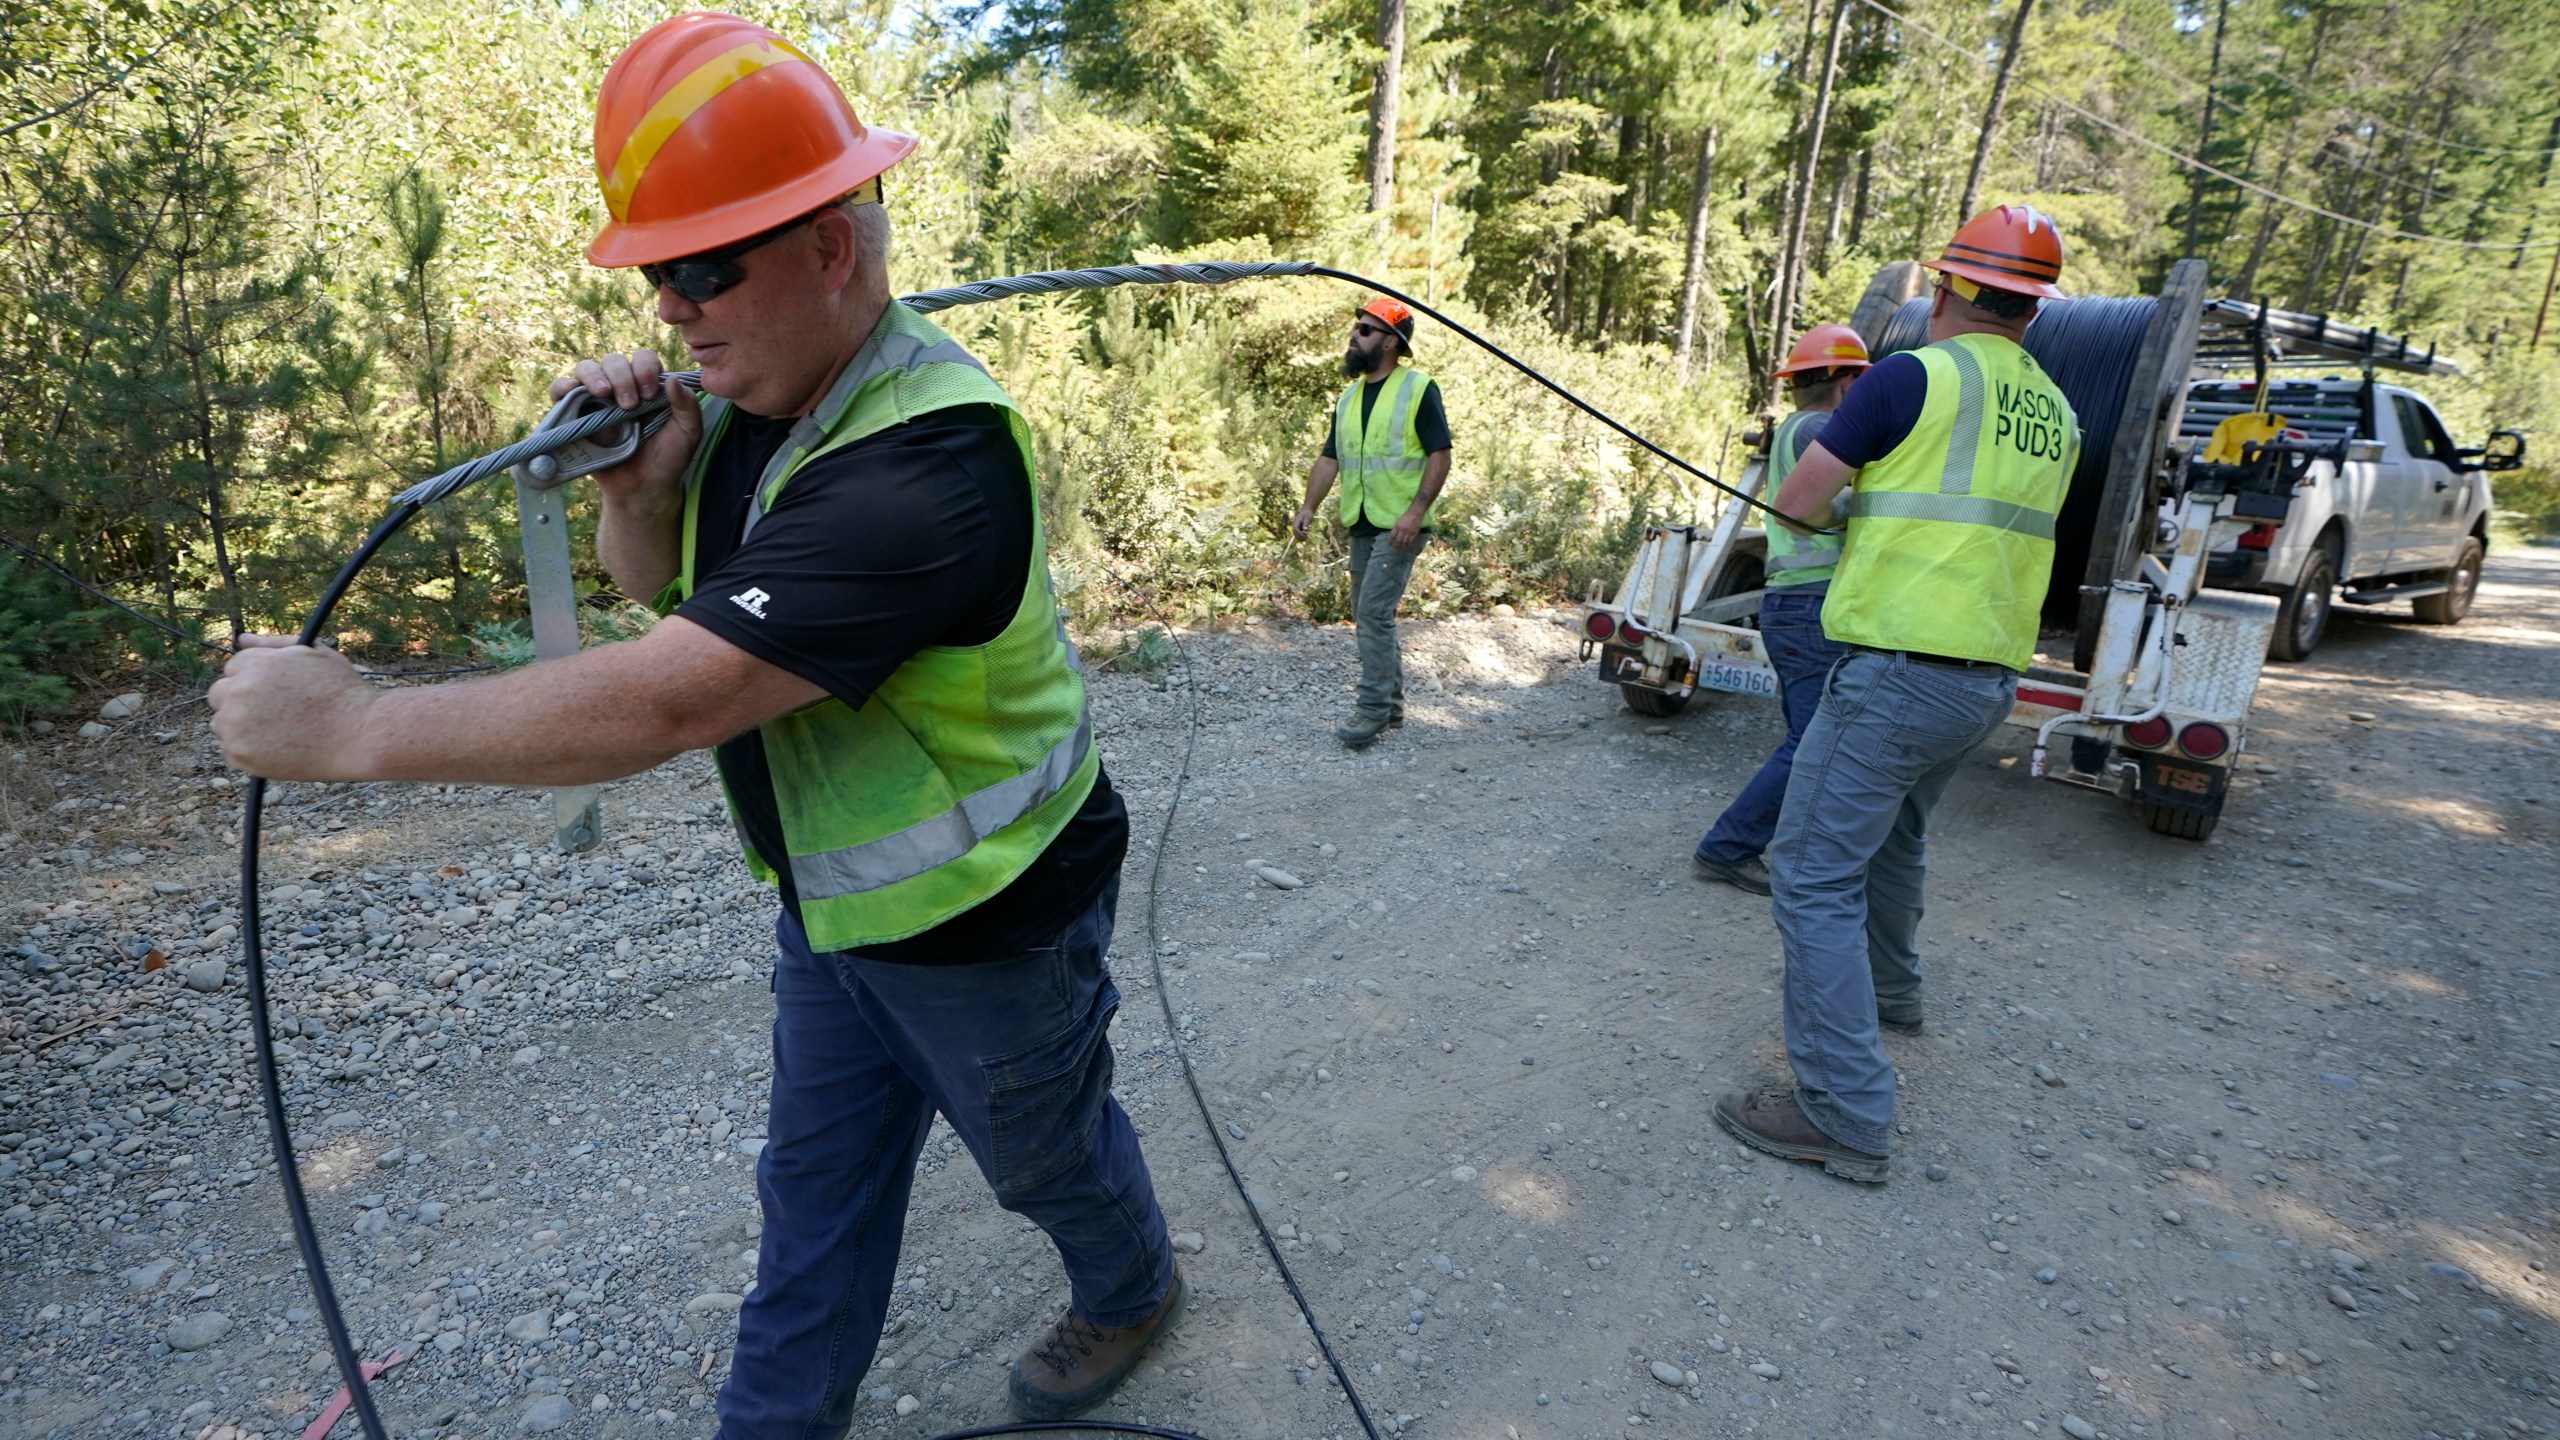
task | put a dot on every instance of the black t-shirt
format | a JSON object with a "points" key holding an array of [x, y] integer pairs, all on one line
{"points": [[1430, 424], [914, 537]]}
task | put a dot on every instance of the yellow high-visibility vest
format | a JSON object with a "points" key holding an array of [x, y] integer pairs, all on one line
{"points": [[1950, 541], [968, 760], [1381, 461], [1796, 559]]}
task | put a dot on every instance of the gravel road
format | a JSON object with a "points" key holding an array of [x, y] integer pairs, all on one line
{"points": [[2221, 1140]]}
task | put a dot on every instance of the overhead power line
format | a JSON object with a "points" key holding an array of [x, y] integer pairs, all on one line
{"points": [[2223, 96], [2191, 162], [2297, 87]]}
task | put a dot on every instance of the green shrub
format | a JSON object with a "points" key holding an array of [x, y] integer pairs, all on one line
{"points": [[41, 624]]}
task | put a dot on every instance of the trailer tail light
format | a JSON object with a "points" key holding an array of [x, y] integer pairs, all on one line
{"points": [[1599, 625], [2258, 537], [1631, 634], [2204, 742], [2150, 734]]}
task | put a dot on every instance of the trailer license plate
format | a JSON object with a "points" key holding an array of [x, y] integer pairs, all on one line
{"points": [[2180, 778], [1740, 679]]}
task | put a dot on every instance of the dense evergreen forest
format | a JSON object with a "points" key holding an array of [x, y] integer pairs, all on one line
{"points": [[265, 264]]}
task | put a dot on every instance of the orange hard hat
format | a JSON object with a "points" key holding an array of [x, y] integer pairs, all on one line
{"points": [[710, 129], [1395, 315], [2016, 248], [1826, 347]]}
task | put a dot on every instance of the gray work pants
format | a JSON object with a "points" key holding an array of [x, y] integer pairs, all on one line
{"points": [[1847, 864], [1379, 573]]}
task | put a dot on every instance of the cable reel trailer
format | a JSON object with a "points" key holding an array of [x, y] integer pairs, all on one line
{"points": [[2143, 680]]}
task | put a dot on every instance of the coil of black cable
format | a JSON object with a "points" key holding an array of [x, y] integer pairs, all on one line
{"points": [[2092, 348]]}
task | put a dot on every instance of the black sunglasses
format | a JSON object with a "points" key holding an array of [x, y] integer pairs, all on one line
{"points": [[1364, 330], [701, 278]]}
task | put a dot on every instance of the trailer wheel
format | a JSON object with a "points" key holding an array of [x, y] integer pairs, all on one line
{"points": [[2178, 823], [1653, 702], [2461, 584]]}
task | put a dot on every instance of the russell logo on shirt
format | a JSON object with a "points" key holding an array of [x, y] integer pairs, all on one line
{"points": [[751, 600]]}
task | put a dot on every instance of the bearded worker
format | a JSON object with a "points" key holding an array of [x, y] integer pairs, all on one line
{"points": [[1389, 446], [843, 538]]}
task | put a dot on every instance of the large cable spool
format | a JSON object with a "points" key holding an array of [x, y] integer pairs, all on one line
{"points": [[2122, 364]]}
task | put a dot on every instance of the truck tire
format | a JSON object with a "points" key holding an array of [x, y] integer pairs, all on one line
{"points": [[2302, 621], [2462, 583], [1653, 702], [2177, 823]]}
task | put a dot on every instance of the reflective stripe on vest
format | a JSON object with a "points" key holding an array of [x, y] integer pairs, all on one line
{"points": [[1951, 533], [1822, 560], [1381, 459], [1955, 510], [945, 837], [1796, 560], [962, 766]]}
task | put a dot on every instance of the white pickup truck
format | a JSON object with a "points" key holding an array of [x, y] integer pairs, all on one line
{"points": [[2395, 511]]}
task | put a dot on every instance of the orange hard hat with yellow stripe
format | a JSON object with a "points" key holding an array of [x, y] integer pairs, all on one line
{"points": [[710, 129], [1826, 347]]}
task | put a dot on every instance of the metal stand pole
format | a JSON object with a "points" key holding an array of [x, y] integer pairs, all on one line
{"points": [[577, 818]]}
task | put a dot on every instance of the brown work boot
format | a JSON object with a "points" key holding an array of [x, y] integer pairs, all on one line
{"points": [[1076, 1363], [1776, 1125]]}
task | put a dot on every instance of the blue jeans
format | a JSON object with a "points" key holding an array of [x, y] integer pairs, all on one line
{"points": [[1791, 631], [1846, 870], [1012, 1051]]}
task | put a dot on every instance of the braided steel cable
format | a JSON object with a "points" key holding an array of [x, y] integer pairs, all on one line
{"points": [[1221, 272], [1101, 277], [651, 413]]}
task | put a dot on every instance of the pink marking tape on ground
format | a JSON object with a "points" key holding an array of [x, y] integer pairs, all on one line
{"points": [[338, 1403]]}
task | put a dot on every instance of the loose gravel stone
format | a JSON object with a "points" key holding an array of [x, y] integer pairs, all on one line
{"points": [[194, 1332]]}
